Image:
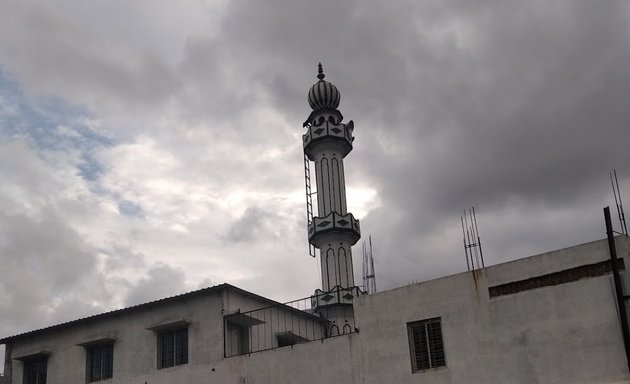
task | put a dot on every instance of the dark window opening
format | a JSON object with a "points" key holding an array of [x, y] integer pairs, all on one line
{"points": [[35, 370], [100, 362], [426, 345], [237, 339], [288, 338], [172, 348]]}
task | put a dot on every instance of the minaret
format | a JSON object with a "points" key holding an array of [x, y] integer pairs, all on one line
{"points": [[334, 230]]}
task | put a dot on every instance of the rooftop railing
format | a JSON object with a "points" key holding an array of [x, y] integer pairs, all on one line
{"points": [[295, 322]]}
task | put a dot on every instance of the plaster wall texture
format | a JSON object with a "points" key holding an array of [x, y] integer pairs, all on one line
{"points": [[556, 261], [567, 333], [135, 355]]}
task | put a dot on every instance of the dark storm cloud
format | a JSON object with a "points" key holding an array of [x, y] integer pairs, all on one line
{"points": [[505, 106]]}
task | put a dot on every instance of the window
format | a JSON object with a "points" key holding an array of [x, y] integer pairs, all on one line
{"points": [[35, 370], [100, 362], [288, 338], [240, 332], [172, 347], [425, 344], [237, 339]]}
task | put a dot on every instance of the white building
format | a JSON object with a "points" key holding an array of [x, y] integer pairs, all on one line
{"points": [[550, 318]]}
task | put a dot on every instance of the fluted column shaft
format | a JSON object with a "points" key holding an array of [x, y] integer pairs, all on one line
{"points": [[331, 185]]}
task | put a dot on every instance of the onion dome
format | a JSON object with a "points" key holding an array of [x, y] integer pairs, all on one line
{"points": [[323, 95]]}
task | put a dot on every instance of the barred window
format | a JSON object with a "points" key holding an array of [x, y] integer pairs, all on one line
{"points": [[35, 370], [172, 347], [100, 362], [426, 345]]}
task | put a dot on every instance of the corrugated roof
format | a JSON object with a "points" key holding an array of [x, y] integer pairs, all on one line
{"points": [[131, 309]]}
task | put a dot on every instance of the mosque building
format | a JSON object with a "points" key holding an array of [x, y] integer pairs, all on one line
{"points": [[557, 317]]}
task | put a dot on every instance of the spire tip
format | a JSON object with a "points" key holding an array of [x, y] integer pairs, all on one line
{"points": [[320, 72]]}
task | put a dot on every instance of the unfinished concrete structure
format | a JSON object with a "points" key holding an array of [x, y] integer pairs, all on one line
{"points": [[550, 318]]}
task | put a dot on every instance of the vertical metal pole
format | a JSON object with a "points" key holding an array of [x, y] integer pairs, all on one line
{"points": [[365, 288], [473, 226], [615, 196], [472, 261], [465, 249], [483, 265], [618, 290], [622, 216], [372, 266]]}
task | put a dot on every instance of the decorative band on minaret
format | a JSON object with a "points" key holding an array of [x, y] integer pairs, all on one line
{"points": [[334, 230]]}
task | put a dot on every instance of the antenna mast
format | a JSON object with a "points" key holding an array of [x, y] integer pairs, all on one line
{"points": [[472, 240], [618, 203], [369, 276]]}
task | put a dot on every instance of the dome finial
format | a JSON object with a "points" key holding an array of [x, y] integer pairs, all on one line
{"points": [[320, 72], [323, 95]]}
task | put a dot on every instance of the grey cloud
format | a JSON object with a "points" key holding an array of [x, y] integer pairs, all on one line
{"points": [[533, 110], [41, 259], [455, 104], [120, 257], [129, 208], [255, 224], [160, 281], [244, 229], [57, 53]]}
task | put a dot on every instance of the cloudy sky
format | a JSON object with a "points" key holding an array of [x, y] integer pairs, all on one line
{"points": [[150, 148]]}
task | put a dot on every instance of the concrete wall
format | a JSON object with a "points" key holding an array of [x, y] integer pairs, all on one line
{"points": [[135, 355], [567, 333], [135, 348]]}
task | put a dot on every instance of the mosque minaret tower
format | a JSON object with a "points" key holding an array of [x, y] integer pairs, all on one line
{"points": [[334, 230]]}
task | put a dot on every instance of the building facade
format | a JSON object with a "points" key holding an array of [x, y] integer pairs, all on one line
{"points": [[549, 318]]}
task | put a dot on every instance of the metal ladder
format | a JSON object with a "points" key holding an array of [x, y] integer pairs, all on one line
{"points": [[309, 201]]}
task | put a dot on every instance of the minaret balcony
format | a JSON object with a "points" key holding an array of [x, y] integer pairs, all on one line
{"points": [[327, 135], [336, 296], [334, 227]]}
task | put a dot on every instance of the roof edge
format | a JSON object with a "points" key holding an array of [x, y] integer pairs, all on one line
{"points": [[116, 312]]}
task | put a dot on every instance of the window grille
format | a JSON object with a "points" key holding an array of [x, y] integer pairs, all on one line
{"points": [[426, 345], [35, 370], [172, 348], [100, 362]]}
